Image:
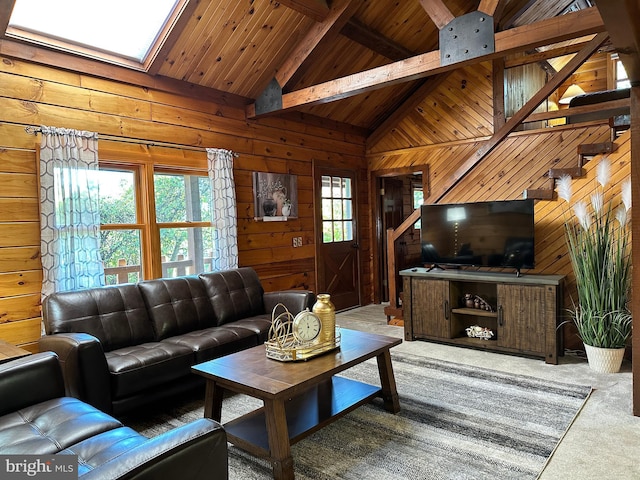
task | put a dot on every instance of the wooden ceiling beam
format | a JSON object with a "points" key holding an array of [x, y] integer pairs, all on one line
{"points": [[492, 7], [621, 18], [438, 12], [539, 56], [489, 6], [316, 9], [545, 32], [487, 147], [322, 32], [6, 8], [374, 41]]}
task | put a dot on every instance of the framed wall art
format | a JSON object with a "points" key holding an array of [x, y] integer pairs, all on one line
{"points": [[275, 196]]}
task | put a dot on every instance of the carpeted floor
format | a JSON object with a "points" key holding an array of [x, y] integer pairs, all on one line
{"points": [[456, 422]]}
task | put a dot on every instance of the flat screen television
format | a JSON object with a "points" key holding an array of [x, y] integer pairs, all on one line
{"points": [[482, 234]]}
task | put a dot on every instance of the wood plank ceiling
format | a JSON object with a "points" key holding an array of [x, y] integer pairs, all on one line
{"points": [[319, 50]]}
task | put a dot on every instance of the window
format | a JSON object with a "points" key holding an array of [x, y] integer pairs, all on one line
{"points": [[183, 214], [180, 224], [337, 209], [120, 233], [95, 28], [418, 198], [622, 79]]}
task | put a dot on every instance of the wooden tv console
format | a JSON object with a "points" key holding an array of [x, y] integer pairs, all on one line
{"points": [[523, 315]]}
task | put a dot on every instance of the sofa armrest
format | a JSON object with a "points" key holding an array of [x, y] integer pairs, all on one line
{"points": [[195, 451], [84, 367], [29, 380], [295, 300]]}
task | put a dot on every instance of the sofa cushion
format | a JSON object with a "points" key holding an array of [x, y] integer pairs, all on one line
{"points": [[234, 294], [177, 305], [138, 367], [116, 315], [215, 342], [258, 325], [50, 426]]}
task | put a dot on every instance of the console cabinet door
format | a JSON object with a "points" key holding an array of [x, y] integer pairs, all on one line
{"points": [[521, 317], [431, 309]]}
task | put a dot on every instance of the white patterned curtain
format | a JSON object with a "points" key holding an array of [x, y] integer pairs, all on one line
{"points": [[225, 219], [69, 216]]}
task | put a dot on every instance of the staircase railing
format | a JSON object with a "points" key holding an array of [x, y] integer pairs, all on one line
{"points": [[393, 235]]}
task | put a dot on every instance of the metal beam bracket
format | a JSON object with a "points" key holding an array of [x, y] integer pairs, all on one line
{"points": [[467, 37], [270, 99]]}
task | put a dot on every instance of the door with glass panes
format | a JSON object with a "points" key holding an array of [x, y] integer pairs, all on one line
{"points": [[337, 258]]}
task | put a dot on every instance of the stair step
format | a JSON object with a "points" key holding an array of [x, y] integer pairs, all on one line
{"points": [[572, 172], [539, 193], [596, 148]]}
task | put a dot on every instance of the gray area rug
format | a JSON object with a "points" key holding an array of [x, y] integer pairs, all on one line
{"points": [[456, 422]]}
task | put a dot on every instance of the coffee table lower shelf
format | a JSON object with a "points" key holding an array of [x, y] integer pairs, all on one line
{"points": [[306, 413]]}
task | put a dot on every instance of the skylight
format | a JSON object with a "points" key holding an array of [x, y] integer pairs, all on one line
{"points": [[124, 28]]}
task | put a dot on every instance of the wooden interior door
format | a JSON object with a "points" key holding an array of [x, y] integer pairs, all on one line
{"points": [[337, 250]]}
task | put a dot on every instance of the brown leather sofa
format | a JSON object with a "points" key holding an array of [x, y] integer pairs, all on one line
{"points": [[36, 418], [125, 346]]}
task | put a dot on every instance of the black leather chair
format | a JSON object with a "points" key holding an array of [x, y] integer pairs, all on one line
{"points": [[37, 419]]}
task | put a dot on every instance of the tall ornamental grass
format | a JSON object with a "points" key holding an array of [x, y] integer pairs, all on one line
{"points": [[598, 239]]}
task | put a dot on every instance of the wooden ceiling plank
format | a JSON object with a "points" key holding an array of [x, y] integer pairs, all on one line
{"points": [[362, 34], [512, 12], [409, 104], [171, 37], [6, 8], [338, 16], [477, 156], [438, 12], [545, 32], [621, 18], [316, 9]]}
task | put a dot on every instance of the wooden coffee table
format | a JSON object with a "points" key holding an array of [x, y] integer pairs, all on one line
{"points": [[299, 397]]}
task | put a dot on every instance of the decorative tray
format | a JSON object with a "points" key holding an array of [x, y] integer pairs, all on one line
{"points": [[288, 349]]}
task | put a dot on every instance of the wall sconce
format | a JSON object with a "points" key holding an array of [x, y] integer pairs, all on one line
{"points": [[573, 91]]}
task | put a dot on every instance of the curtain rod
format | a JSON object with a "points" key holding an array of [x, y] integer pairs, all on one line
{"points": [[33, 130]]}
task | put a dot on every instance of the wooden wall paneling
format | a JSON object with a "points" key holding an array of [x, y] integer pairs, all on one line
{"points": [[19, 209], [13, 259], [20, 185], [20, 283], [15, 234], [157, 120], [71, 96], [17, 161], [110, 104], [22, 332], [18, 308], [13, 136]]}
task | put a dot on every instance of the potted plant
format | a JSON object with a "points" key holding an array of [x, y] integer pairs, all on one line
{"points": [[598, 239]]}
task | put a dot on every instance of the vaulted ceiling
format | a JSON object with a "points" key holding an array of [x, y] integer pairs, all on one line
{"points": [[352, 62]]}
